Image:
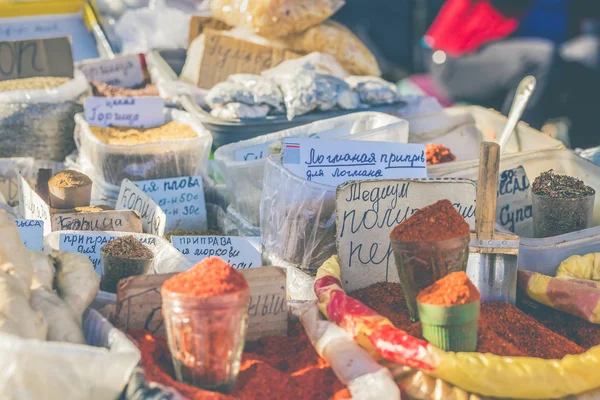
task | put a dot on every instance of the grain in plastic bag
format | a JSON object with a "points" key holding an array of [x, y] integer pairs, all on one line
{"points": [[39, 122], [337, 40], [274, 18]]}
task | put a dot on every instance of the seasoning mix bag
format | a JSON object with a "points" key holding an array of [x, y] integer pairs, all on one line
{"points": [[484, 374]]}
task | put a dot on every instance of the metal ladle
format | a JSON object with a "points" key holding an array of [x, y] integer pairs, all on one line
{"points": [[520, 101]]}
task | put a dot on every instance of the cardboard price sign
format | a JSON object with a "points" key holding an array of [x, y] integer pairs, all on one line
{"points": [[21, 59], [139, 304], [368, 211], [513, 209], [31, 232], [116, 221], [132, 198], [226, 55], [124, 70], [31, 205], [199, 23]]}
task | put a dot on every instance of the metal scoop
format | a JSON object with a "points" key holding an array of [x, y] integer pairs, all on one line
{"points": [[522, 96], [492, 265]]}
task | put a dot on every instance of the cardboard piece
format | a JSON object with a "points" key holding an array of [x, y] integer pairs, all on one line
{"points": [[513, 208], [132, 198], [199, 23], [238, 252], [333, 162], [139, 303], [125, 71], [31, 232], [31, 205], [135, 112], [368, 211], [117, 221], [226, 55], [21, 59], [182, 200]]}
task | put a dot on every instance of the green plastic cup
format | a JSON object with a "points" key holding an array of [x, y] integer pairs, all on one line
{"points": [[451, 328]]}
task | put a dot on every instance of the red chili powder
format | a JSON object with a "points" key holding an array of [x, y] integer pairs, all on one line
{"points": [[453, 289], [211, 276], [439, 221], [437, 154], [504, 330], [273, 368]]}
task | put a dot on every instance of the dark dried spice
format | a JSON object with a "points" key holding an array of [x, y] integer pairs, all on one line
{"points": [[549, 184], [122, 258], [128, 247]]}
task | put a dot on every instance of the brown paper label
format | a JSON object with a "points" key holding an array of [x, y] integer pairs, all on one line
{"points": [[139, 304], [118, 221], [36, 58], [225, 55], [199, 23]]}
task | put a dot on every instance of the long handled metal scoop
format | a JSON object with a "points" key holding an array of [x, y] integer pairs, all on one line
{"points": [[492, 263], [522, 96]]}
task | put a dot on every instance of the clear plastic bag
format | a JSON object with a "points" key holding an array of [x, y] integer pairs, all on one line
{"points": [[264, 90], [231, 111], [243, 163], [373, 90], [39, 123], [112, 163], [229, 92], [337, 40], [274, 18]]}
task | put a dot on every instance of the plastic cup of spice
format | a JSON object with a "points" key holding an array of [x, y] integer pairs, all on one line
{"points": [[561, 204], [430, 244], [121, 258], [206, 315], [449, 313], [69, 189]]}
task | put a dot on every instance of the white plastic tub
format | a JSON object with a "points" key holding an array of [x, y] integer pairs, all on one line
{"points": [[545, 255], [113, 163], [242, 164]]}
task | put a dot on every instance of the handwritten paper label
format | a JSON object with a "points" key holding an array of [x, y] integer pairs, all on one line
{"points": [[139, 304], [239, 252], [123, 71], [182, 200], [368, 211], [133, 198], [136, 112], [513, 208], [21, 59], [32, 233], [31, 205], [227, 55], [89, 244], [117, 221], [333, 162], [199, 23]]}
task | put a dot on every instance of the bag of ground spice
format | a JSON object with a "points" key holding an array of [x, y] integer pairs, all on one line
{"points": [[438, 154], [484, 374], [121, 258], [561, 204]]}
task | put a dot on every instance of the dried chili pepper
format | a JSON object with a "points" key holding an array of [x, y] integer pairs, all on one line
{"points": [[453, 289], [439, 221], [437, 154]]}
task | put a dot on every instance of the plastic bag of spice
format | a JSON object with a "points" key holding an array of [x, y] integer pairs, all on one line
{"points": [[485, 374], [36, 116]]}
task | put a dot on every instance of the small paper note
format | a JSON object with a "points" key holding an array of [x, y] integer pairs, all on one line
{"points": [[182, 200], [133, 198], [124, 71], [135, 112], [117, 221], [31, 205], [32, 233], [513, 208], [333, 162], [239, 252]]}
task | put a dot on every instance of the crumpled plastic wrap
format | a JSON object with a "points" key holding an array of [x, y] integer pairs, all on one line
{"points": [[264, 90], [229, 92], [485, 374], [239, 111], [580, 267], [33, 369], [575, 296], [373, 90], [246, 177], [113, 163], [39, 123], [337, 40], [324, 63], [274, 18]]}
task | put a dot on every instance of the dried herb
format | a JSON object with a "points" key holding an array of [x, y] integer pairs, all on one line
{"points": [[550, 184], [127, 247], [122, 258]]}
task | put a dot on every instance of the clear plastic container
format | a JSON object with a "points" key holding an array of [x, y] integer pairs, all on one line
{"points": [[206, 337], [116, 268], [166, 159], [554, 216], [420, 264]]}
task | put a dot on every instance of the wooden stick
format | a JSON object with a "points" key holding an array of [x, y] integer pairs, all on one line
{"points": [[41, 186], [487, 189]]}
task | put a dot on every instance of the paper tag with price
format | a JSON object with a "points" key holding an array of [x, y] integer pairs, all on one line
{"points": [[182, 200], [32, 233], [134, 112]]}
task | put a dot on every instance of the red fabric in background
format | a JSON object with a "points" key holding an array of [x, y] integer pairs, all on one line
{"points": [[462, 26]]}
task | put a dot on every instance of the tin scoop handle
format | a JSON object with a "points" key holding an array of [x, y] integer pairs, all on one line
{"points": [[487, 188], [522, 96]]}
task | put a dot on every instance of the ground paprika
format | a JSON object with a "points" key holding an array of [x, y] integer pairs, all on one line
{"points": [[453, 289], [437, 154], [439, 221]]}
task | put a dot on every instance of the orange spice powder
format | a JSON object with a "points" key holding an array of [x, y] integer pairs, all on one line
{"points": [[453, 289]]}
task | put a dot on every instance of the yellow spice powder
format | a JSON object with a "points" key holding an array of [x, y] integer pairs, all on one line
{"points": [[36, 83], [125, 136], [69, 179]]}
